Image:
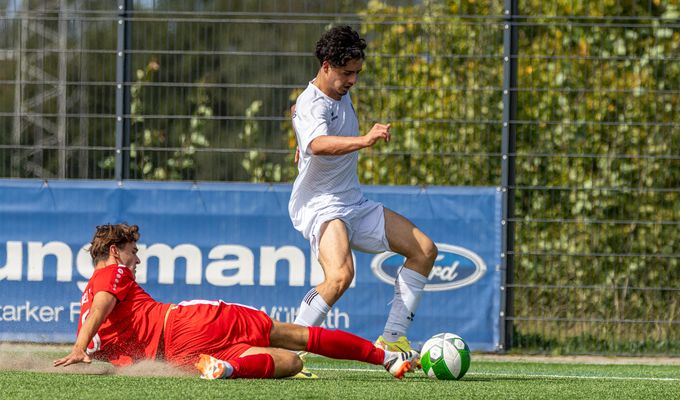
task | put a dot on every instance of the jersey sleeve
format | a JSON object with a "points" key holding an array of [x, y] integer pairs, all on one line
{"points": [[310, 122], [116, 280]]}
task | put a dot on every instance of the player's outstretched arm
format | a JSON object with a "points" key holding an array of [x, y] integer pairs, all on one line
{"points": [[338, 145], [102, 305]]}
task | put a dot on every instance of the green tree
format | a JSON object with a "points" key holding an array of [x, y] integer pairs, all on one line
{"points": [[148, 159], [596, 164]]}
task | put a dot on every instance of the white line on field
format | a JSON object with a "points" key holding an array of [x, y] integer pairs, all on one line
{"points": [[621, 378]]}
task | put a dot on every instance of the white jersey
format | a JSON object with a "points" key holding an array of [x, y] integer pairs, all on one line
{"points": [[324, 182]]}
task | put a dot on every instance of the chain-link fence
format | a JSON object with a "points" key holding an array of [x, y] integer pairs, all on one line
{"points": [[597, 186], [569, 107]]}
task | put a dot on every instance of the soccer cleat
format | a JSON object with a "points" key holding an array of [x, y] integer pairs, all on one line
{"points": [[305, 373], [402, 344], [400, 363], [213, 368]]}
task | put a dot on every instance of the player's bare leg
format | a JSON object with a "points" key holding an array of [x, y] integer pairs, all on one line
{"points": [[335, 258], [276, 361], [341, 345], [288, 336], [256, 362], [420, 252], [286, 363], [409, 241]]}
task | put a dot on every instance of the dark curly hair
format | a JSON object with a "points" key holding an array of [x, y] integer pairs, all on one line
{"points": [[107, 235], [340, 45]]}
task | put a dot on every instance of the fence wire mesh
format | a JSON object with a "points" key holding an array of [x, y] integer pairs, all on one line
{"points": [[596, 132]]}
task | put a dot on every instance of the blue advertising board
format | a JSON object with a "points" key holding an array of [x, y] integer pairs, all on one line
{"points": [[235, 242]]}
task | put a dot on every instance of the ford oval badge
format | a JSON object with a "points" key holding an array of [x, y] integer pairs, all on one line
{"points": [[454, 267]]}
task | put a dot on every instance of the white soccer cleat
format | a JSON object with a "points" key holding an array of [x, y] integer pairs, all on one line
{"points": [[213, 368], [400, 363]]}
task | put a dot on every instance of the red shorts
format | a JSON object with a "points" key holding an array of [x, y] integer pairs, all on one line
{"points": [[216, 328]]}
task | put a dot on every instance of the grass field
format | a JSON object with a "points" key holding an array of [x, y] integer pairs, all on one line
{"points": [[24, 378]]}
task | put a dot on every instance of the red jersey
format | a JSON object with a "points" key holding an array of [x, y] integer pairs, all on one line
{"points": [[133, 329]]}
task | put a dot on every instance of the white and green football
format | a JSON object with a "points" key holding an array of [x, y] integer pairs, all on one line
{"points": [[445, 356]]}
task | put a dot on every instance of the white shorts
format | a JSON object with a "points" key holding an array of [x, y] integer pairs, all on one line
{"points": [[365, 224]]}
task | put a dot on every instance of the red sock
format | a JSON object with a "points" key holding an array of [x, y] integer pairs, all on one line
{"points": [[343, 345], [258, 366]]}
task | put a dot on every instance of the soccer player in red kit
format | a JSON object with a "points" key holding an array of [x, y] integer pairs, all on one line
{"points": [[122, 324]]}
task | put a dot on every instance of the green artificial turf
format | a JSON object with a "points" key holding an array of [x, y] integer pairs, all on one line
{"points": [[352, 380]]}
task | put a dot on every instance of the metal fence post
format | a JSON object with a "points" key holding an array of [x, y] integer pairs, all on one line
{"points": [[510, 46], [123, 75]]}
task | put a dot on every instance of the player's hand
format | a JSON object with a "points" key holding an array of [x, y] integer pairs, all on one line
{"points": [[379, 131], [76, 356]]}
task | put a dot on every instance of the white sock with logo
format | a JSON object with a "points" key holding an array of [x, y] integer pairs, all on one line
{"points": [[388, 356], [408, 288], [313, 309]]}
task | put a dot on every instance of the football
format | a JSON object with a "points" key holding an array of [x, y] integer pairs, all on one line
{"points": [[445, 356]]}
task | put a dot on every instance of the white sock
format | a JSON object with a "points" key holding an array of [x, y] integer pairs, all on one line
{"points": [[313, 309], [228, 370], [408, 289], [388, 355]]}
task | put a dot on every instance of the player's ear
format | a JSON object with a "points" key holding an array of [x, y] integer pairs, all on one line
{"points": [[113, 250], [325, 66]]}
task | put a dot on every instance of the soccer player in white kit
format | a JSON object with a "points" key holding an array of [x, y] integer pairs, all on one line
{"points": [[327, 205]]}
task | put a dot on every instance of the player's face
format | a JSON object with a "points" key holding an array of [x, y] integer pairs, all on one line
{"points": [[127, 255], [341, 79]]}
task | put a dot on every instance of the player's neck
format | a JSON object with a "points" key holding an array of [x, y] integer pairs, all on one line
{"points": [[105, 263], [321, 83]]}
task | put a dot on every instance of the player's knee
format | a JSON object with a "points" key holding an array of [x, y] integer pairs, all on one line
{"points": [[426, 256], [430, 252], [287, 365], [338, 283], [296, 365], [293, 364]]}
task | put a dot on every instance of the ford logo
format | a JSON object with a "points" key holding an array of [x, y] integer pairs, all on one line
{"points": [[454, 267]]}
